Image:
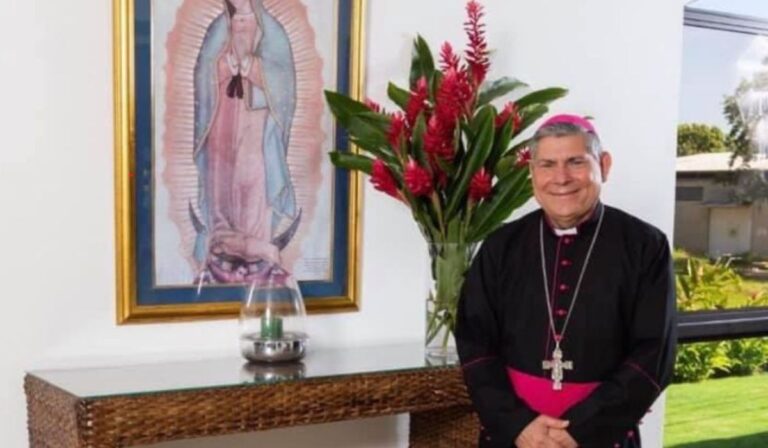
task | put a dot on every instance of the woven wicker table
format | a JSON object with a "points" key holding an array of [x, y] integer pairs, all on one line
{"points": [[135, 405]]}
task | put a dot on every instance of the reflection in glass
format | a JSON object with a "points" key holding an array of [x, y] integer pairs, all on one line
{"points": [[721, 207], [272, 373]]}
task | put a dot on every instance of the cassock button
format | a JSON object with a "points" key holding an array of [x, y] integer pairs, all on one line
{"points": [[567, 240], [563, 287], [565, 262], [561, 312]]}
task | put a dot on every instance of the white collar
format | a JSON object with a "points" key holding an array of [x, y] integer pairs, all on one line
{"points": [[561, 232]]}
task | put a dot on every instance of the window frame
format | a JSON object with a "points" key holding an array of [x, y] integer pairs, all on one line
{"points": [[694, 326]]}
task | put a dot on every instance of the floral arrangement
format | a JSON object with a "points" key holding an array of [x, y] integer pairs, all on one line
{"points": [[448, 154]]}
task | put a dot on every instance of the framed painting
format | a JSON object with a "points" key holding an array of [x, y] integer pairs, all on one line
{"points": [[221, 142]]}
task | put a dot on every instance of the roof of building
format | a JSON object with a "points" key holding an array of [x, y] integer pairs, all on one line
{"points": [[715, 162]]}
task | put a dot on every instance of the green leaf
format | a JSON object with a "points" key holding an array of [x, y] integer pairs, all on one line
{"points": [[376, 150], [481, 117], [363, 129], [503, 166], [478, 152], [376, 120], [344, 107], [467, 130], [422, 63], [366, 129], [498, 88], [529, 115], [461, 150], [422, 215], [509, 158], [434, 84], [398, 95], [509, 193], [544, 96], [418, 141], [343, 159], [500, 143]]}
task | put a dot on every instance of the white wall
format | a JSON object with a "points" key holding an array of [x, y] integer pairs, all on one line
{"points": [[619, 59]]}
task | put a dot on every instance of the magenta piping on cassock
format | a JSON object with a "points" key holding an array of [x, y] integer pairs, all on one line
{"points": [[477, 361], [645, 374]]}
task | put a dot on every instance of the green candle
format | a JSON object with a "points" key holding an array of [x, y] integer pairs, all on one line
{"points": [[271, 327]]}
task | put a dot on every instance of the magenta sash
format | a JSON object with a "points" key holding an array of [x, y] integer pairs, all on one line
{"points": [[537, 393]]}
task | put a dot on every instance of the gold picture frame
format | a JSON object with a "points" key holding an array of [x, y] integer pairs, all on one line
{"points": [[130, 166]]}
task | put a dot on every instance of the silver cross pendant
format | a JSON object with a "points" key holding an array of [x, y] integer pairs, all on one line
{"points": [[557, 365]]}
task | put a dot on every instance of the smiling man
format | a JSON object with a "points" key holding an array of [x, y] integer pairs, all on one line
{"points": [[566, 324]]}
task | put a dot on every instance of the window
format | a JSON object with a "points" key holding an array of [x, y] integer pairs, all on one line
{"points": [[721, 205], [721, 230], [687, 194]]}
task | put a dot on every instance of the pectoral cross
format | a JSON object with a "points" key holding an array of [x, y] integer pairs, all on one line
{"points": [[557, 365]]}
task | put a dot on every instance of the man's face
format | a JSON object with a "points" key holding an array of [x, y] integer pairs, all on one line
{"points": [[566, 178]]}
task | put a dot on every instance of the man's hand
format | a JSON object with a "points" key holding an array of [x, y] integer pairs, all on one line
{"points": [[537, 433], [562, 437]]}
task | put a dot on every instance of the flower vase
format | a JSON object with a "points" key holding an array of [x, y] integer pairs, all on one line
{"points": [[448, 262]]}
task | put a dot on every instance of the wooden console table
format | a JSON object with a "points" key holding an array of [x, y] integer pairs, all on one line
{"points": [[134, 405]]}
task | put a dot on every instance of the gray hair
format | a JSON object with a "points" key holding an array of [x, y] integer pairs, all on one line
{"points": [[564, 130]]}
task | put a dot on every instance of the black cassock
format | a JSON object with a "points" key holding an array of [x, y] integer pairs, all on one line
{"points": [[620, 338]]}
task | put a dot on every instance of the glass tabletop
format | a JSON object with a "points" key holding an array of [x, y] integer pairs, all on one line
{"points": [[235, 371]]}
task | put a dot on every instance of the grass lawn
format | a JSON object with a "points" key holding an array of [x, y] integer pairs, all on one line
{"points": [[718, 413]]}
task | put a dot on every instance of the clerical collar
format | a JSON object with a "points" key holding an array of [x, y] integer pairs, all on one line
{"points": [[580, 228], [563, 232]]}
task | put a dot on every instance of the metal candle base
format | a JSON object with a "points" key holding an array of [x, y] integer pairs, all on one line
{"points": [[289, 347]]}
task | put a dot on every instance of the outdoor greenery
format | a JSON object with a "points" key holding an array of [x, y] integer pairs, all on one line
{"points": [[697, 138], [715, 285], [719, 413]]}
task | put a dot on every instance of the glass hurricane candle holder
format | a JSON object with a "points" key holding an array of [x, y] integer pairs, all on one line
{"points": [[272, 318]]}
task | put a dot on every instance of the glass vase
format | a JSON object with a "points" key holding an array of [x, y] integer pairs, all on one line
{"points": [[448, 262], [272, 318]]}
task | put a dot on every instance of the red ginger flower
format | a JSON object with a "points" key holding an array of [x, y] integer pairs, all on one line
{"points": [[480, 185], [448, 59], [382, 179], [396, 130], [510, 110], [453, 95], [417, 179], [477, 49], [416, 102], [438, 140], [523, 157]]}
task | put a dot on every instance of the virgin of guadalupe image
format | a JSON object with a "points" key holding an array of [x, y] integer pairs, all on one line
{"points": [[245, 211]]}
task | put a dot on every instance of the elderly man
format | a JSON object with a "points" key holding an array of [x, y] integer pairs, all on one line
{"points": [[566, 324]]}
